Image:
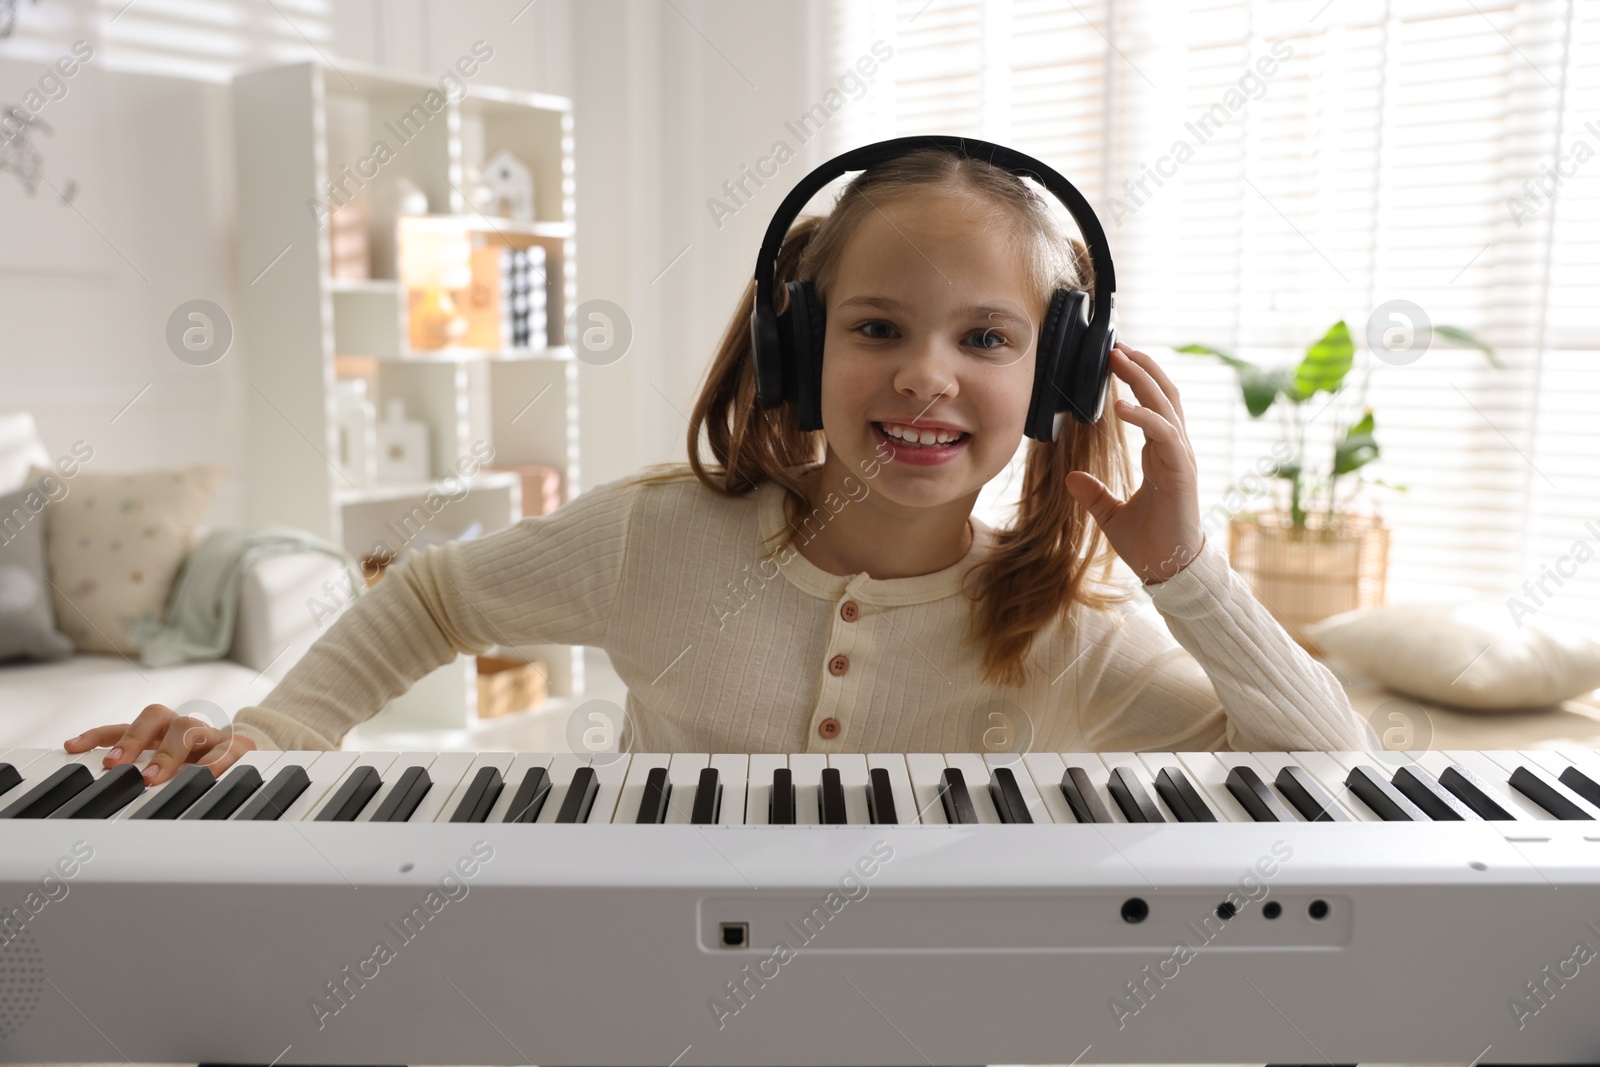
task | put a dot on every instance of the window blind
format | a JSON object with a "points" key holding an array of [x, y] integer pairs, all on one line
{"points": [[1264, 169]]}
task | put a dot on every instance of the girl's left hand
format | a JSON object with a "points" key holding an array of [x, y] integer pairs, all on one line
{"points": [[1157, 530]]}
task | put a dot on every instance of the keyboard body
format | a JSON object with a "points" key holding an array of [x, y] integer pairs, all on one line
{"points": [[300, 940]]}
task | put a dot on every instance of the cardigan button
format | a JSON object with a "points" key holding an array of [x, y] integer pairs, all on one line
{"points": [[848, 611], [828, 728], [839, 664]]}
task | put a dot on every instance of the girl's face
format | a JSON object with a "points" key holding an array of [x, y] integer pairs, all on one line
{"points": [[930, 331]]}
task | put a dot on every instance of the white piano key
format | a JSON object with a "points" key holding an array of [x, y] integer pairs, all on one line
{"points": [[1045, 770], [1037, 810], [1328, 773], [1435, 763], [975, 772], [852, 768], [925, 769], [500, 761], [384, 764], [611, 773], [758, 794], [1210, 776], [261, 759], [1510, 760], [1586, 760], [562, 767], [905, 800], [446, 771], [520, 766], [683, 772], [324, 769], [1098, 774], [1131, 760], [807, 769], [733, 769], [639, 768], [51, 760], [1481, 764]]}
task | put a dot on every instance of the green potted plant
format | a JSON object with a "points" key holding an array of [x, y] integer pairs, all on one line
{"points": [[1315, 552]]}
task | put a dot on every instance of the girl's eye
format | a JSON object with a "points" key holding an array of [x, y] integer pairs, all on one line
{"points": [[986, 336], [873, 324]]}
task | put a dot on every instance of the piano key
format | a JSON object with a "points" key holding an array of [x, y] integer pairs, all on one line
{"points": [[1132, 797], [832, 797], [175, 797], [1083, 798], [758, 791], [1182, 797], [1586, 785], [323, 770], [389, 765], [1046, 769], [925, 770], [529, 796], [1329, 773], [1538, 786], [1255, 796], [975, 774], [807, 768], [446, 771], [258, 758], [1210, 776], [1033, 802], [1437, 802], [112, 791], [358, 787], [633, 786], [781, 811], [905, 803], [732, 769], [1475, 793], [683, 772], [707, 806], [1581, 784], [274, 799], [223, 800], [1495, 777], [653, 801], [611, 774], [579, 798], [10, 778], [855, 781], [881, 809], [1096, 771], [26, 762], [1009, 802], [1368, 783], [472, 804], [401, 803], [956, 800], [1305, 794], [564, 767], [521, 763], [42, 798]]}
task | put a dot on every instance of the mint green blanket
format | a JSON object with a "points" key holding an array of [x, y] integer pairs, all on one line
{"points": [[204, 603]]}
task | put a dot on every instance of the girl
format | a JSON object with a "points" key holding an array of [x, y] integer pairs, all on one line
{"points": [[831, 591]]}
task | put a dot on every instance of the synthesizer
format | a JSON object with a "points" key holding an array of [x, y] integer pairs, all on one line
{"points": [[804, 909]]}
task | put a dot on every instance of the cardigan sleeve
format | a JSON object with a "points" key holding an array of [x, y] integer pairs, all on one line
{"points": [[1221, 674], [551, 579]]}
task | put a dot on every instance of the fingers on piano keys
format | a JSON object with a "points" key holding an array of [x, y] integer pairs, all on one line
{"points": [[818, 789]]}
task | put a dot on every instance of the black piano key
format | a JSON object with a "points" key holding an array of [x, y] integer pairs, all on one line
{"points": [[1384, 799], [63, 784], [10, 778], [1472, 791], [832, 796], [657, 790], [580, 796], [1256, 797], [1081, 796], [1008, 798], [529, 797], [482, 792], [230, 792], [880, 797], [1581, 784], [1182, 797], [113, 791], [707, 798], [1132, 797], [402, 801], [274, 798], [781, 808], [189, 785], [1435, 800], [361, 786], [953, 795], [1546, 792], [1308, 797]]}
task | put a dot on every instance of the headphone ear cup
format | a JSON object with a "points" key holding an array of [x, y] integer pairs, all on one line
{"points": [[1063, 323], [803, 326]]}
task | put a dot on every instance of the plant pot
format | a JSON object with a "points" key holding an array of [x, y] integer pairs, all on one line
{"points": [[1308, 573]]}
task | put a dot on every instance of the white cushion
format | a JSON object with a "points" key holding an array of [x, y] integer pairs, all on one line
{"points": [[1471, 655], [20, 448]]}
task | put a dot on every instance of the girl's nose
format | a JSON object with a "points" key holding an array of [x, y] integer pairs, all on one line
{"points": [[927, 371]]}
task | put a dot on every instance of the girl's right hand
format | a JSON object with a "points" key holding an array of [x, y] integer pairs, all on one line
{"points": [[178, 739]]}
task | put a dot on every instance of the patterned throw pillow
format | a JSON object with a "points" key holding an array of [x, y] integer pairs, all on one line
{"points": [[27, 618], [115, 543]]}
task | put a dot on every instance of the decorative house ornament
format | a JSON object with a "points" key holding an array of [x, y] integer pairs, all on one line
{"points": [[508, 185]]}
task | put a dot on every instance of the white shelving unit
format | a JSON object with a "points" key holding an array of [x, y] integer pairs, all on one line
{"points": [[306, 147]]}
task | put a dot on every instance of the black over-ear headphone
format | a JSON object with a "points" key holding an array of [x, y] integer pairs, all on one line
{"points": [[1074, 348]]}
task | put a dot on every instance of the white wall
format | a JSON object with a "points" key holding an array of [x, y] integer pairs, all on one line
{"points": [[664, 115]]}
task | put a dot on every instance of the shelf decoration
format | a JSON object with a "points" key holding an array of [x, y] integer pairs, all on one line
{"points": [[349, 256], [357, 422], [433, 262], [503, 306], [506, 187], [402, 446]]}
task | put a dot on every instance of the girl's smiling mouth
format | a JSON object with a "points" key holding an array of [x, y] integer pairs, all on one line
{"points": [[906, 442]]}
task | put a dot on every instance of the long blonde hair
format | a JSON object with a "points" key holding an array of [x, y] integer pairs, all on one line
{"points": [[1040, 563]]}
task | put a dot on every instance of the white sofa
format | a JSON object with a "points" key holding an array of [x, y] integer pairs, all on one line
{"points": [[42, 704]]}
